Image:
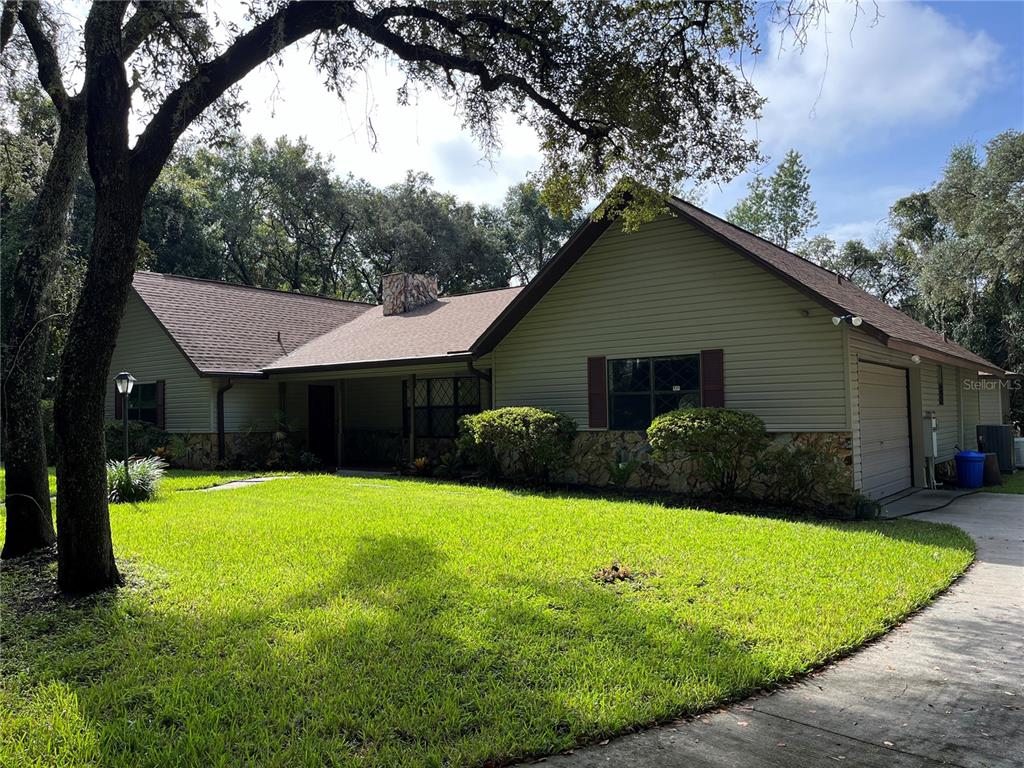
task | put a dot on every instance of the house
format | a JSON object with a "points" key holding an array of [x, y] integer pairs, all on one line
{"points": [[617, 328]]}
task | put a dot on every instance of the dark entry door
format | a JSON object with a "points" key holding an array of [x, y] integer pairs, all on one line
{"points": [[322, 441]]}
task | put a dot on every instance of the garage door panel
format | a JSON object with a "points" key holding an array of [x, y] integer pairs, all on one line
{"points": [[884, 430]]}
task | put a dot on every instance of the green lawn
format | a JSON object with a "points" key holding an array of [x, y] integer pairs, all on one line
{"points": [[325, 620], [1011, 484], [175, 480]]}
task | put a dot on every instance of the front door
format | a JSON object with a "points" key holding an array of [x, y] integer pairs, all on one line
{"points": [[323, 442]]}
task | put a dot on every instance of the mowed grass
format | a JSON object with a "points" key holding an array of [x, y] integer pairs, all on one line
{"points": [[323, 620], [174, 480], [1011, 484]]}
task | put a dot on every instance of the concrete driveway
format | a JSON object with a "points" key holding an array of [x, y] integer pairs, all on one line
{"points": [[945, 688]]}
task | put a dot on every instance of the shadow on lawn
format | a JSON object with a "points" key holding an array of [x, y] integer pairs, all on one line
{"points": [[394, 657]]}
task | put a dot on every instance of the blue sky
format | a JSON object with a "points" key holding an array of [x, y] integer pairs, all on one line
{"points": [[874, 106]]}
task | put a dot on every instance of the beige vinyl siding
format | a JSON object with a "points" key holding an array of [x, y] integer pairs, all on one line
{"points": [[970, 391], [991, 402], [669, 289], [947, 414], [145, 350], [251, 404]]}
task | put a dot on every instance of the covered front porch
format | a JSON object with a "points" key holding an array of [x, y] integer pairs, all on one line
{"points": [[383, 417]]}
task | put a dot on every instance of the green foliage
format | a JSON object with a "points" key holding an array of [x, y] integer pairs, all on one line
{"points": [[528, 232], [143, 439], [620, 472], [857, 506], [139, 483], [779, 208], [519, 443], [722, 444], [386, 613], [804, 474], [281, 448]]}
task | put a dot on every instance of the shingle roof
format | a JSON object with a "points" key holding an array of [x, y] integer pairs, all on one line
{"points": [[885, 323], [838, 293], [224, 328], [444, 328]]}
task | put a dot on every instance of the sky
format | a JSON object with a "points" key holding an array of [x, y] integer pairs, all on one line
{"points": [[873, 105]]}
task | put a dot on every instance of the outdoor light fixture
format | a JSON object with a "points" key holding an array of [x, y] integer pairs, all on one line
{"points": [[125, 382], [854, 320], [915, 359]]}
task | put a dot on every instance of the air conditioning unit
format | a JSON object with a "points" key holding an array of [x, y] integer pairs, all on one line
{"points": [[997, 439]]}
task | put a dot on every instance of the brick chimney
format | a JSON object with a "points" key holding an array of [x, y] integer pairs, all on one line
{"points": [[402, 291]]}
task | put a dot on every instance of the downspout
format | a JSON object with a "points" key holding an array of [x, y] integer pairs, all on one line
{"points": [[220, 419]]}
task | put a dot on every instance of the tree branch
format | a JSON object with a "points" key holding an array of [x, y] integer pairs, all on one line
{"points": [[47, 61], [288, 25], [7, 22]]}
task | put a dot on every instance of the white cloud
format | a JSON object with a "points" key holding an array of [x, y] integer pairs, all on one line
{"points": [[859, 79], [869, 231], [371, 136]]}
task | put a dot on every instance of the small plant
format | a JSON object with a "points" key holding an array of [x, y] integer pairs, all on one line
{"points": [[722, 445], [139, 484], [857, 506], [620, 472], [520, 443], [448, 465], [421, 465], [804, 474]]}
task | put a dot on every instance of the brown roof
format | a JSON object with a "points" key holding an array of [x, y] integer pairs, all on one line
{"points": [[224, 328], [887, 324], [445, 328]]}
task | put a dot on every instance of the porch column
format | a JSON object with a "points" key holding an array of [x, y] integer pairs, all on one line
{"points": [[412, 417]]}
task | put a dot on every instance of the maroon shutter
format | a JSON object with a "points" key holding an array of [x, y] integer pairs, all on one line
{"points": [[118, 403], [160, 404], [712, 378], [597, 393]]}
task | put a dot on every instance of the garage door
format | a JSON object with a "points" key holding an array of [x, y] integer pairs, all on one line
{"points": [[884, 430]]}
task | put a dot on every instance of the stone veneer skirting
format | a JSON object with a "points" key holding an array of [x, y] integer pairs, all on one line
{"points": [[594, 452]]}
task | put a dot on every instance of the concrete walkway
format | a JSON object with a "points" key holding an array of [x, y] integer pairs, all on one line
{"points": [[945, 688], [244, 482]]}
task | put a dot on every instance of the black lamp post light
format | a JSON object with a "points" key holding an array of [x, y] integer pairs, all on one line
{"points": [[125, 382]]}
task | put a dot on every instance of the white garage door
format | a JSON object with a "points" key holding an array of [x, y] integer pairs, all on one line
{"points": [[884, 430]]}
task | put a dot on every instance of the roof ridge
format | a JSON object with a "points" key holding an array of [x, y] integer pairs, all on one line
{"points": [[231, 284], [482, 290]]}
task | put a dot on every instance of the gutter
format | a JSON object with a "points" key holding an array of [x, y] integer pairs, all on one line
{"points": [[220, 418], [482, 375]]}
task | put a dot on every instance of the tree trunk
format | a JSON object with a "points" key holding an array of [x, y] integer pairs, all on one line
{"points": [[85, 561], [29, 517]]}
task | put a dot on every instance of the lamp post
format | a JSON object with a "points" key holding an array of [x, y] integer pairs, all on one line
{"points": [[125, 381]]}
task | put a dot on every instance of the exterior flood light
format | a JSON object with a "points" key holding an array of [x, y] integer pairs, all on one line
{"points": [[915, 359], [854, 320]]}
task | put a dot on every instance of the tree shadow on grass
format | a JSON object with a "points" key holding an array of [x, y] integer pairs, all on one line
{"points": [[395, 657]]}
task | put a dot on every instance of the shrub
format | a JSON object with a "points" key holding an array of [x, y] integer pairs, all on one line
{"points": [[620, 472], [804, 474], [139, 484], [723, 445], [517, 442], [143, 439]]}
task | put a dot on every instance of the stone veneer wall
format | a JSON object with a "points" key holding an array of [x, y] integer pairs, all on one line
{"points": [[593, 452]]}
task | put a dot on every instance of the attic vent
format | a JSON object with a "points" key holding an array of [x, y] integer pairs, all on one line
{"points": [[403, 291]]}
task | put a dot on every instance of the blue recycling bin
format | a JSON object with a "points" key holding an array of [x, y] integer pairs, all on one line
{"points": [[970, 469]]}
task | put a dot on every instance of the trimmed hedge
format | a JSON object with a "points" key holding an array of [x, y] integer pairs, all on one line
{"points": [[722, 444], [518, 443]]}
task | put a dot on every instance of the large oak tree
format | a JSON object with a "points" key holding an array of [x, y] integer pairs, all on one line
{"points": [[645, 90]]}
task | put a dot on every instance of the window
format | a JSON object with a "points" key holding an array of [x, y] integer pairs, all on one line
{"points": [[942, 386], [439, 404], [142, 403], [641, 388]]}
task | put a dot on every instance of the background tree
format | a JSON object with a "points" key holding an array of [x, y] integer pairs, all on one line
{"points": [[528, 231], [779, 208]]}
